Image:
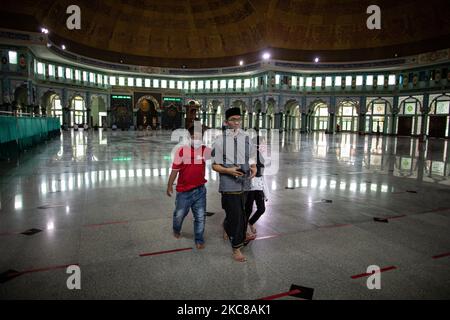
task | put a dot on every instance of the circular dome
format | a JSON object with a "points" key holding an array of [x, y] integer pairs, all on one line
{"points": [[213, 33]]}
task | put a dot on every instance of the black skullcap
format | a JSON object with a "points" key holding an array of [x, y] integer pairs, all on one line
{"points": [[232, 112]]}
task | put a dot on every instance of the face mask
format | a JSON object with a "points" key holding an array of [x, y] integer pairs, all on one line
{"points": [[197, 143]]}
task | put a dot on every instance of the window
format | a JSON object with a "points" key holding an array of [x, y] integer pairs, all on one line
{"points": [[442, 107], [130, 82], [215, 84], [223, 84], [147, 83], [238, 83], [99, 79], [77, 75], [192, 85], [172, 84], [105, 80], [112, 80], [200, 84], [359, 80], [294, 81], [164, 84], [391, 81], [230, 84], [410, 108], [186, 85], [301, 82], [121, 81], [138, 82], [12, 57], [40, 68], [328, 81], [155, 83], [61, 72], [85, 76], [91, 77], [180, 84], [207, 84], [318, 81], [277, 79], [51, 70], [68, 73], [347, 111], [379, 108], [57, 108], [348, 81], [246, 83], [309, 82], [369, 80], [380, 80], [338, 81]]}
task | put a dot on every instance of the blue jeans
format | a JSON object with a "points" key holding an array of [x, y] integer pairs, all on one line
{"points": [[194, 199]]}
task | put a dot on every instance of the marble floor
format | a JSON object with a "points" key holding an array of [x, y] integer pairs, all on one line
{"points": [[97, 200]]}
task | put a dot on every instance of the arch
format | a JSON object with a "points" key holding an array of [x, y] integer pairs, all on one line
{"points": [[347, 116], [438, 118], [378, 116], [78, 112], [293, 115], [319, 115], [21, 98], [98, 110], [257, 110], [147, 97], [270, 114]]}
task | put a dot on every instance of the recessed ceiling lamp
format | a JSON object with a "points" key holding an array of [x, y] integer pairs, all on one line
{"points": [[316, 59], [266, 56]]}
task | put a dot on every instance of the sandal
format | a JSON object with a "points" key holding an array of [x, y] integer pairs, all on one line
{"points": [[238, 256]]}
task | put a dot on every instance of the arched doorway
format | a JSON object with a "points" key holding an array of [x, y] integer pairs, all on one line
{"points": [[98, 111], [21, 99], [320, 117], [270, 114], [378, 116], [257, 116], [409, 117], [347, 119], [439, 117], [244, 115], [78, 111], [56, 108], [293, 116], [147, 112]]}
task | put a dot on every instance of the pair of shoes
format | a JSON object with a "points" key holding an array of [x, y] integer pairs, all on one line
{"points": [[177, 235], [225, 235], [252, 228], [238, 256], [200, 246]]}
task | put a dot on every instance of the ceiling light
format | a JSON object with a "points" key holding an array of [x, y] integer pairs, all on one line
{"points": [[266, 56], [316, 59], [63, 47], [44, 30], [241, 62]]}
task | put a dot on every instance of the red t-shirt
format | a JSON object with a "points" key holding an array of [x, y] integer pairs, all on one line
{"points": [[191, 165]]}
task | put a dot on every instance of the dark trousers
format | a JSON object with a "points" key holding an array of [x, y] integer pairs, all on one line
{"points": [[258, 197], [235, 223]]}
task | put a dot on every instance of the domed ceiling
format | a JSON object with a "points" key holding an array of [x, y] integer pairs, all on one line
{"points": [[202, 33]]}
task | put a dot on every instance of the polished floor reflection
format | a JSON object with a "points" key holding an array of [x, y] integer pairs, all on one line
{"points": [[97, 199]]}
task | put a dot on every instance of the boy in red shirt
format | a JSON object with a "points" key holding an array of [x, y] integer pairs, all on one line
{"points": [[189, 166]]}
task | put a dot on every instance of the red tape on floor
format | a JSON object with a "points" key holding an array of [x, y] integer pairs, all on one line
{"points": [[362, 275], [163, 252], [447, 254], [48, 268], [281, 295]]}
